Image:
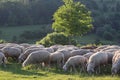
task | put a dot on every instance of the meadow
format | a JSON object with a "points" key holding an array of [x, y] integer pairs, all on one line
{"points": [[14, 71], [9, 32]]}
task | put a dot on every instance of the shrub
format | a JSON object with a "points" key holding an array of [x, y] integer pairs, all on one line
{"points": [[2, 41], [55, 38]]}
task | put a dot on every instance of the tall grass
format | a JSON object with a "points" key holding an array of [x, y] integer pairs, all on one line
{"points": [[14, 71]]}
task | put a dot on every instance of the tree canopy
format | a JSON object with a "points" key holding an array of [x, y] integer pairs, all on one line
{"points": [[72, 18]]}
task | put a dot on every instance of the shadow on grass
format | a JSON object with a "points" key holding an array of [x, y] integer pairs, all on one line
{"points": [[17, 69], [104, 72]]}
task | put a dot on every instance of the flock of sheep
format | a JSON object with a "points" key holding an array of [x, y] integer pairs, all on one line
{"points": [[64, 57]]}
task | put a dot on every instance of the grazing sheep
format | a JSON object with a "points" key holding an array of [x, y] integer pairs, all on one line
{"points": [[24, 55], [57, 58], [75, 61], [35, 46], [101, 48], [80, 52], [11, 52], [95, 60], [25, 45], [48, 49], [37, 57], [66, 53], [2, 59], [2, 45], [116, 63], [56, 47]]}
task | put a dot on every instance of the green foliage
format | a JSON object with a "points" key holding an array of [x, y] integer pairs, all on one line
{"points": [[55, 38], [2, 41], [14, 13], [72, 18]]}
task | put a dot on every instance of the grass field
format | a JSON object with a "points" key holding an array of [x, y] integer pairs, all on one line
{"points": [[14, 71], [9, 32]]}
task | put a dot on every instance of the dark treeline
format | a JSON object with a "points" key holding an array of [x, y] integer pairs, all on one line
{"points": [[106, 15], [15, 12]]}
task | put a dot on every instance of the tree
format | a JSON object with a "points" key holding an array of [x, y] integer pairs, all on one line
{"points": [[72, 18]]}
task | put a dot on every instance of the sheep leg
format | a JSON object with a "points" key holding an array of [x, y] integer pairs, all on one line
{"points": [[80, 69], [74, 68], [99, 69]]}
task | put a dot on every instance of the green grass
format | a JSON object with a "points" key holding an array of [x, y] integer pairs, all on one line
{"points": [[9, 32], [14, 71]]}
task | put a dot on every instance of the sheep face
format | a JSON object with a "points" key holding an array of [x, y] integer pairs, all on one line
{"points": [[114, 71], [21, 58], [64, 68], [90, 69]]}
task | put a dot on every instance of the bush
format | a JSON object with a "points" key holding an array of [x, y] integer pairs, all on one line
{"points": [[2, 41], [55, 38]]}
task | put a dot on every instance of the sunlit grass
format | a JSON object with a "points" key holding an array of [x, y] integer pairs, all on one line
{"points": [[14, 71]]}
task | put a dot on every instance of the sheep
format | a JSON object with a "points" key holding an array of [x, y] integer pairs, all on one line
{"points": [[116, 63], [35, 46], [37, 57], [24, 55], [95, 60], [79, 52], [25, 45], [101, 48], [56, 47], [11, 52], [58, 58], [51, 50], [87, 55], [2, 45], [3, 59], [75, 61], [66, 53]]}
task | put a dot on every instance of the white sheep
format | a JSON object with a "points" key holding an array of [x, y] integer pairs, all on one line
{"points": [[35, 46], [95, 60], [25, 45], [56, 47], [11, 52], [80, 52], [57, 58], [75, 61], [24, 55], [37, 57], [116, 63], [66, 53]]}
